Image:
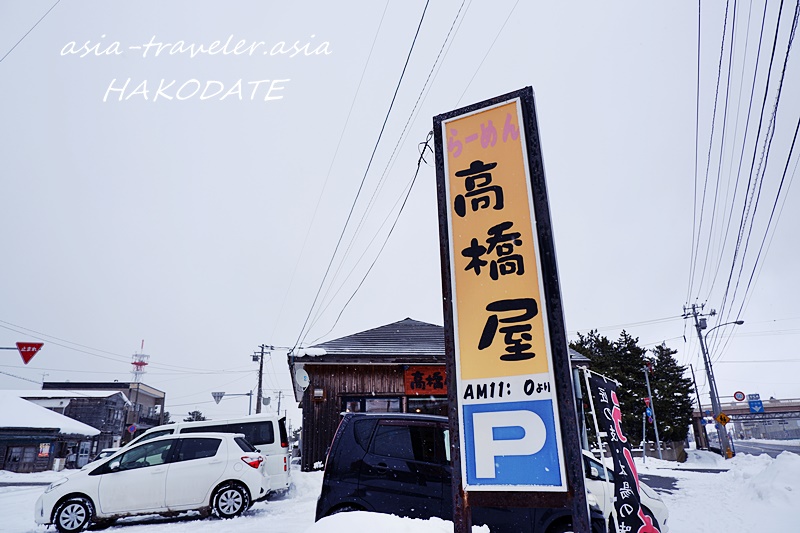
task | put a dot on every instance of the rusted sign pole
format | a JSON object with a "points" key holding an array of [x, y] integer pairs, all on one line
{"points": [[513, 426]]}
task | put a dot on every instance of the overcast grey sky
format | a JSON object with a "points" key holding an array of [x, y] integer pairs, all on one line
{"points": [[205, 225]]}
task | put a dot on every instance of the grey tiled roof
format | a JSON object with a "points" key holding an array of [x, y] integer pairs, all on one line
{"points": [[406, 337]]}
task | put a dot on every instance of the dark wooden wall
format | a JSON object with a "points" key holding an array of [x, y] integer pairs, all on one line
{"points": [[321, 418]]}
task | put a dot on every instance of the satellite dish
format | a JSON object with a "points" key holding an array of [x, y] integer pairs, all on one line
{"points": [[302, 378]]}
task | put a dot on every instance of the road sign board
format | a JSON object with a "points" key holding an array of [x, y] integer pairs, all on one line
{"points": [[28, 349], [753, 396], [738, 396], [132, 429], [647, 401], [723, 419], [649, 411], [508, 391], [703, 421], [756, 406], [217, 396]]}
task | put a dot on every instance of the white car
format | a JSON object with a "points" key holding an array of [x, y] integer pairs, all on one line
{"points": [[219, 472], [105, 452], [602, 490]]}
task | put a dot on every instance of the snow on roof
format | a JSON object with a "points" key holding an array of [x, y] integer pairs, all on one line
{"points": [[19, 413], [36, 393]]}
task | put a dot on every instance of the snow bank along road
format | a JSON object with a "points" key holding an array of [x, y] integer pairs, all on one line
{"points": [[752, 494]]}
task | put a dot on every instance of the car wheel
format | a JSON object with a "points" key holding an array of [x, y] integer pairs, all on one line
{"points": [[74, 515], [230, 500]]}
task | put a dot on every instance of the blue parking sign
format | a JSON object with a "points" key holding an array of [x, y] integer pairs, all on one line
{"points": [[512, 444]]}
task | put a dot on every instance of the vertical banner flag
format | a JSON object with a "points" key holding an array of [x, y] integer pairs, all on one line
{"points": [[630, 515], [508, 415]]}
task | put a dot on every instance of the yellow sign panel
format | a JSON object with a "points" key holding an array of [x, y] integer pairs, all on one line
{"points": [[723, 419], [505, 384], [501, 322]]}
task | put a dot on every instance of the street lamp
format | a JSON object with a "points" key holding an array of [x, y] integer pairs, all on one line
{"points": [[715, 405]]}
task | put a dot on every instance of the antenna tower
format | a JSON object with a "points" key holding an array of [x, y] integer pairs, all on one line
{"points": [[140, 360]]}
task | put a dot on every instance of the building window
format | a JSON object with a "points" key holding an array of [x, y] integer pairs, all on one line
{"points": [[15, 454], [428, 406], [371, 404]]}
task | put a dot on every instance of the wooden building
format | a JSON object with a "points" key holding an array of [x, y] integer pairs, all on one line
{"points": [[398, 367], [104, 410], [146, 408], [34, 438]]}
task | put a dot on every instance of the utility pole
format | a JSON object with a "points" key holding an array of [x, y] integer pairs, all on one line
{"points": [[279, 393], [260, 394], [259, 356], [700, 324], [700, 408], [652, 406]]}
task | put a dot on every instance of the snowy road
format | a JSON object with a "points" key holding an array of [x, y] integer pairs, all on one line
{"points": [[771, 449], [755, 494]]}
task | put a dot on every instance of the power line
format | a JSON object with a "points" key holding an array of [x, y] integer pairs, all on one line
{"points": [[747, 205], [330, 167], [30, 30], [386, 240], [403, 196], [708, 161], [487, 52], [364, 178], [390, 162], [766, 150], [692, 258], [119, 358]]}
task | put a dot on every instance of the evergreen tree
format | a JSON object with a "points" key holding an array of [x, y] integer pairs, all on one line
{"points": [[194, 416], [672, 395], [622, 360]]}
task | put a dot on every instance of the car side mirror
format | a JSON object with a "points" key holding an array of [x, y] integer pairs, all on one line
{"points": [[113, 467], [594, 473]]}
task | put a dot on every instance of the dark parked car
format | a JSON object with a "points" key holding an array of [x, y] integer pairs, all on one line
{"points": [[399, 463]]}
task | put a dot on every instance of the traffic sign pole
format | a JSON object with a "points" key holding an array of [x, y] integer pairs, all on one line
{"points": [[653, 407]]}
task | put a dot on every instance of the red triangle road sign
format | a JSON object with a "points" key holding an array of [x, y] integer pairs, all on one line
{"points": [[28, 349]]}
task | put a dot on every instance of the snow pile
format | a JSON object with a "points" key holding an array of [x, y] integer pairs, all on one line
{"points": [[773, 481], [363, 521], [756, 494], [44, 478], [18, 413]]}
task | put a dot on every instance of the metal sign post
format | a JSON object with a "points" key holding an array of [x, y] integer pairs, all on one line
{"points": [[514, 432], [26, 350]]}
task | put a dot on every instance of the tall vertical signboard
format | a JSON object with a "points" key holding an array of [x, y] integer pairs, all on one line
{"points": [[510, 387]]}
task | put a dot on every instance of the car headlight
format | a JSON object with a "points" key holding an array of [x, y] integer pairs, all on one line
{"points": [[55, 484], [649, 492]]}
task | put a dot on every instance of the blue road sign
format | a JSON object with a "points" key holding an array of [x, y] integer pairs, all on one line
{"points": [[756, 406], [649, 412]]}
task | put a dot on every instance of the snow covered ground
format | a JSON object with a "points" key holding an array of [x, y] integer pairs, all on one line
{"points": [[755, 494]]}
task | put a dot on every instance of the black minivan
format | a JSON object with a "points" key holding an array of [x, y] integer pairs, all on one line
{"points": [[399, 463]]}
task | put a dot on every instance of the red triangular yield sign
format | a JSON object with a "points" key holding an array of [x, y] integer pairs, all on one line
{"points": [[28, 349]]}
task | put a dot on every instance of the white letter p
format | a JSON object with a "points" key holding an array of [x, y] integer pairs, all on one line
{"points": [[487, 448]]}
